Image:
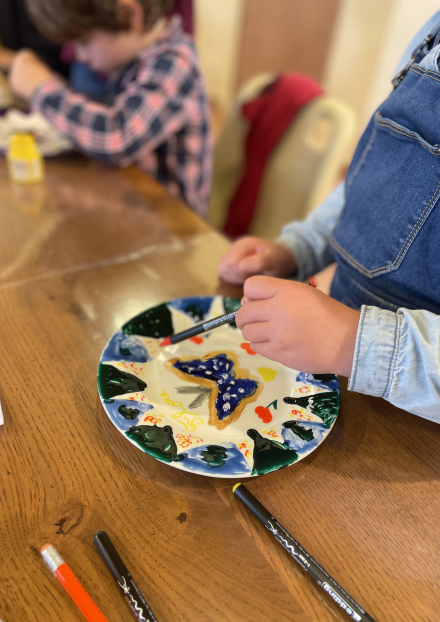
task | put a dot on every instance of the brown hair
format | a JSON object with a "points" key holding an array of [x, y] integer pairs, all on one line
{"points": [[66, 20]]}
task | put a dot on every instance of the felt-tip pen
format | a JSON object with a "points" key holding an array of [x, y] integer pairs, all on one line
{"points": [[300, 555], [132, 593]]}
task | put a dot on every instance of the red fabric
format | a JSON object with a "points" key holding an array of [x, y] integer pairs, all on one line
{"points": [[271, 114], [185, 9]]}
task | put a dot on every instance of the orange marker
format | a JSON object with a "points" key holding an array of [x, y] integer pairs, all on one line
{"points": [[73, 587]]}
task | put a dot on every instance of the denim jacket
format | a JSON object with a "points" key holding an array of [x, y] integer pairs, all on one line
{"points": [[382, 226]]}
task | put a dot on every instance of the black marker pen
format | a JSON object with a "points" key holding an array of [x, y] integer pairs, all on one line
{"points": [[204, 327], [131, 592], [300, 555]]}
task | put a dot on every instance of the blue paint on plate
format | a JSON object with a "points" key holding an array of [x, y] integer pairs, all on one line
{"points": [[301, 445], [219, 369], [196, 308], [121, 422], [234, 465], [328, 385], [122, 347]]}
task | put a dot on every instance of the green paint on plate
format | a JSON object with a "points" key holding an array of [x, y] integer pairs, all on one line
{"points": [[323, 405], [270, 455], [230, 305], [128, 413], [158, 442], [195, 311], [274, 404], [324, 377], [155, 323], [306, 435], [113, 382], [214, 456]]}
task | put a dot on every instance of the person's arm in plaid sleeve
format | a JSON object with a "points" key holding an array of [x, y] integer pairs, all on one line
{"points": [[153, 107]]}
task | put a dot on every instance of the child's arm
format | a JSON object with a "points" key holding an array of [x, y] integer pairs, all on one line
{"points": [[309, 241], [142, 117], [303, 247], [391, 355], [6, 58], [397, 357], [28, 72]]}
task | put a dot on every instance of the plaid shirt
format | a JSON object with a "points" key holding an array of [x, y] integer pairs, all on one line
{"points": [[159, 118]]}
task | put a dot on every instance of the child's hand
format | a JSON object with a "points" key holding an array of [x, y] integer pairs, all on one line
{"points": [[27, 73], [298, 326], [250, 256]]}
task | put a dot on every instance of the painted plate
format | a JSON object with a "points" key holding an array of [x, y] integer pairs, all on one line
{"points": [[210, 405]]}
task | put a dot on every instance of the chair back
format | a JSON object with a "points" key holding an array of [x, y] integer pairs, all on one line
{"points": [[301, 171]]}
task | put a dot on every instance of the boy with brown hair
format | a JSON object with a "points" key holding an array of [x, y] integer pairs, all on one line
{"points": [[159, 117]]}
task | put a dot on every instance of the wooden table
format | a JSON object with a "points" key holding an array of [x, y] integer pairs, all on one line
{"points": [[78, 257]]}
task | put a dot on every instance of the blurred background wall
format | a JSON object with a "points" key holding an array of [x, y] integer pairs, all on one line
{"points": [[351, 46]]}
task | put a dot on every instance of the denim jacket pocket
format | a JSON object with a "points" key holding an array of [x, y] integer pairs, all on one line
{"points": [[392, 187]]}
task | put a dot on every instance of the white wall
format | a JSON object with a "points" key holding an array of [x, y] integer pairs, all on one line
{"points": [[368, 42], [369, 38], [218, 38]]}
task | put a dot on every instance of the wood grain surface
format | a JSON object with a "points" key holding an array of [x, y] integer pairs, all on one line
{"points": [[78, 257]]}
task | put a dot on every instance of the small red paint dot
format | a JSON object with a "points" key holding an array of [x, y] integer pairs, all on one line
{"points": [[197, 340], [247, 348]]}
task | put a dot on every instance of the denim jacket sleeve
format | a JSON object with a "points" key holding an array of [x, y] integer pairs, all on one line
{"points": [[397, 357], [309, 241]]}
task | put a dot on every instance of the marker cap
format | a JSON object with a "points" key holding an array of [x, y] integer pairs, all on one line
{"points": [[52, 558], [252, 503]]}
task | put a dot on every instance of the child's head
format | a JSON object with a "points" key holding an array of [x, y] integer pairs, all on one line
{"points": [[108, 33]]}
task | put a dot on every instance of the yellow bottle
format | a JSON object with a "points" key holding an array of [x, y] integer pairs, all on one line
{"points": [[25, 162]]}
